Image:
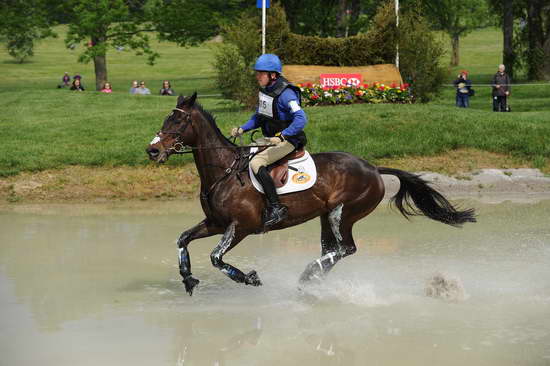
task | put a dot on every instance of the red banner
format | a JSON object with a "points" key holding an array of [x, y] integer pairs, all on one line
{"points": [[331, 80]]}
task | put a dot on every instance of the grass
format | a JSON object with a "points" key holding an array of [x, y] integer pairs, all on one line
{"points": [[47, 128]]}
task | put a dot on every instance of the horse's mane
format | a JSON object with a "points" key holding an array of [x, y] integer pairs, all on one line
{"points": [[212, 120]]}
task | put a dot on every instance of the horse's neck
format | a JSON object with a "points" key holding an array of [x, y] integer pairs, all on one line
{"points": [[210, 159]]}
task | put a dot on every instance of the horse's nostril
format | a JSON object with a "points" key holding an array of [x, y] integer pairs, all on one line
{"points": [[153, 152]]}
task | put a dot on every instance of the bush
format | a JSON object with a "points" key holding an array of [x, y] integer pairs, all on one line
{"points": [[375, 47], [420, 56]]}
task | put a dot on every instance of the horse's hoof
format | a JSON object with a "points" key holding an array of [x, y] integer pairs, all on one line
{"points": [[190, 283], [252, 279]]}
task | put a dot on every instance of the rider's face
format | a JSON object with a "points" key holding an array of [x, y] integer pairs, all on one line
{"points": [[262, 77]]}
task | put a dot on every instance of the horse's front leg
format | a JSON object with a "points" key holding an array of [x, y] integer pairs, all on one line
{"points": [[202, 230], [230, 238]]}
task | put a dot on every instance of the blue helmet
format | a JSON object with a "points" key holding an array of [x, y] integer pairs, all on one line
{"points": [[269, 62]]}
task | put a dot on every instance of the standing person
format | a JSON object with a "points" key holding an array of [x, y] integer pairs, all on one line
{"points": [[463, 86], [282, 121], [77, 86], [501, 89], [134, 89], [107, 88], [166, 88], [143, 89]]}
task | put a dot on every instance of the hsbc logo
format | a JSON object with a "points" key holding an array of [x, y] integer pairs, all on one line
{"points": [[331, 80]]}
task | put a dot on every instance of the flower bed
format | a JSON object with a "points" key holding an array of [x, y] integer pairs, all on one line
{"points": [[313, 94]]}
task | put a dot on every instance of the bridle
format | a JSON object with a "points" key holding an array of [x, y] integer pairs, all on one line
{"points": [[178, 147]]}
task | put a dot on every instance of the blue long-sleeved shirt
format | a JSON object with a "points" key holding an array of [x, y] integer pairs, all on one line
{"points": [[284, 109]]}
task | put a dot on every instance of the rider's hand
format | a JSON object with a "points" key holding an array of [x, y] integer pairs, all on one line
{"points": [[236, 131], [276, 140]]}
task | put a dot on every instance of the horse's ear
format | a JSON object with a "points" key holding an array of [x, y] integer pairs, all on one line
{"points": [[191, 101]]}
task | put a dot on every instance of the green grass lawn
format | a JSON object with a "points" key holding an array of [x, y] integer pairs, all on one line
{"points": [[44, 127]]}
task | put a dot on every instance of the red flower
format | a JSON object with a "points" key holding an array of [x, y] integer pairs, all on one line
{"points": [[309, 85], [365, 85], [393, 85], [406, 85], [314, 97], [326, 87], [381, 88]]}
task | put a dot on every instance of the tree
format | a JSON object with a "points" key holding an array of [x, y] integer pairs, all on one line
{"points": [[529, 21], [508, 54], [538, 35], [107, 24], [23, 23], [457, 18]]}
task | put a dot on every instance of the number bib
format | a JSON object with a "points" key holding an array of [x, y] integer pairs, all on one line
{"points": [[265, 106]]}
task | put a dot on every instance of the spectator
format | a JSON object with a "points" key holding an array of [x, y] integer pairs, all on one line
{"points": [[135, 87], [463, 89], [77, 85], [143, 89], [501, 90], [107, 88], [77, 76], [66, 79], [166, 88]]}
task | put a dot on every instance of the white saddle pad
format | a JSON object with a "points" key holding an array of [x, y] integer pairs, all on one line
{"points": [[302, 178]]}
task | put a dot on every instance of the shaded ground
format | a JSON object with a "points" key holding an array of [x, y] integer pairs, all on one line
{"points": [[465, 171]]}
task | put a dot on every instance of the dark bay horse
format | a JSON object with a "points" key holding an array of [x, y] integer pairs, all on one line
{"points": [[347, 189]]}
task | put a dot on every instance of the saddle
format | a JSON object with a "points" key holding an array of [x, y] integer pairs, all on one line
{"points": [[279, 170], [293, 173]]}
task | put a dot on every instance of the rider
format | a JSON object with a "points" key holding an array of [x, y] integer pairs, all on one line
{"points": [[282, 120]]}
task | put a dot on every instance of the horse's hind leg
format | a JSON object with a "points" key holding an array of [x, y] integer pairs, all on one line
{"points": [[333, 246], [231, 238]]}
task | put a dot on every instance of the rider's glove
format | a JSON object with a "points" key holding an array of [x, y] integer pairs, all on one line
{"points": [[236, 131], [277, 139]]}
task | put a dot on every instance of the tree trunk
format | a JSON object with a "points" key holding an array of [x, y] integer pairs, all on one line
{"points": [[100, 65], [508, 55], [454, 54], [341, 18], [535, 53], [354, 16]]}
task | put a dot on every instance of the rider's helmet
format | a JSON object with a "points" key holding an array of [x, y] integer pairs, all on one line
{"points": [[269, 62]]}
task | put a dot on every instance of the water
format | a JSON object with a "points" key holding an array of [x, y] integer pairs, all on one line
{"points": [[99, 285]]}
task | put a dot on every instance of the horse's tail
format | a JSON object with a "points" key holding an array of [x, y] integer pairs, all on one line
{"points": [[427, 201]]}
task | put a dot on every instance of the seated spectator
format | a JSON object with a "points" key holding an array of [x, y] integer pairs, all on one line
{"points": [[143, 89], [77, 85], [107, 88], [77, 76], [135, 87], [166, 88], [463, 89], [66, 79]]}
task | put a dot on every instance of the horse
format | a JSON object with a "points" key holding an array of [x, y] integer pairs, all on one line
{"points": [[347, 189]]}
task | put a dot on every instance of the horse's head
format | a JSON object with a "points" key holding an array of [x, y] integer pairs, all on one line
{"points": [[177, 131]]}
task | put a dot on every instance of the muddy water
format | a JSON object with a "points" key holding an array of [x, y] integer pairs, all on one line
{"points": [[98, 285]]}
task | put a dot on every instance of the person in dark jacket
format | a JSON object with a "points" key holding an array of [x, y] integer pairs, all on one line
{"points": [[77, 86], [167, 88], [463, 86], [282, 120], [501, 89]]}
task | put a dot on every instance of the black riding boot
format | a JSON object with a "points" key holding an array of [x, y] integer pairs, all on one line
{"points": [[275, 212]]}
